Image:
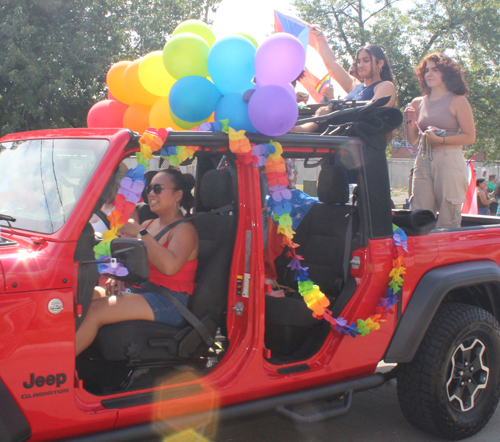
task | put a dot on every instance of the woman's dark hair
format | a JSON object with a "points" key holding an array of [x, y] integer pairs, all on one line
{"points": [[480, 181], [184, 182], [377, 53], [453, 75]]}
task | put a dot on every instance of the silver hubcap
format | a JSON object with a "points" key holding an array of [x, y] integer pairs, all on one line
{"points": [[468, 374]]}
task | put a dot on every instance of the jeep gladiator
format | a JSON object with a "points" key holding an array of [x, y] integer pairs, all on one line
{"points": [[267, 354]]}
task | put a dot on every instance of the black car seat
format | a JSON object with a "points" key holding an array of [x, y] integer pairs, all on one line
{"points": [[322, 237], [151, 341]]}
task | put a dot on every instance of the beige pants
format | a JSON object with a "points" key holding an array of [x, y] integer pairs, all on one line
{"points": [[440, 185]]}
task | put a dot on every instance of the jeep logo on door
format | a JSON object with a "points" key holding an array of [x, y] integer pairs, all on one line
{"points": [[40, 381]]}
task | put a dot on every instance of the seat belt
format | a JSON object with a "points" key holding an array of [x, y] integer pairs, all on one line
{"points": [[347, 246], [184, 311], [226, 208], [104, 218]]}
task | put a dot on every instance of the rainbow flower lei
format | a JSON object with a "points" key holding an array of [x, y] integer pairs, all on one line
{"points": [[270, 156]]}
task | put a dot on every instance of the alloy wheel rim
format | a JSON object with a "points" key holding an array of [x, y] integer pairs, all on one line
{"points": [[468, 374]]}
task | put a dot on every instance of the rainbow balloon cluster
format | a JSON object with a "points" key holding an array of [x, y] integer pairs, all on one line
{"points": [[196, 78], [129, 194]]}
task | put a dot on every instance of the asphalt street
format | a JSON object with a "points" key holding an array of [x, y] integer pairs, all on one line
{"points": [[374, 416]]}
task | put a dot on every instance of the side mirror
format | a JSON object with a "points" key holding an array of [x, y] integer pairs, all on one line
{"points": [[133, 255]]}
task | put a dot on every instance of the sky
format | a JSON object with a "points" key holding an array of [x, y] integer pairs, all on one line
{"points": [[256, 17]]}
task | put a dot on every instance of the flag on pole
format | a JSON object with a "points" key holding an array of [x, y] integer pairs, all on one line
{"points": [[323, 83], [470, 206], [315, 67]]}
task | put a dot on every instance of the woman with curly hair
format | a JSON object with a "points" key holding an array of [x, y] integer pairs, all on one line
{"points": [[442, 119]]}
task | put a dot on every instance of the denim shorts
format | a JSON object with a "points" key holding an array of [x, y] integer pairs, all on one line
{"points": [[164, 311]]}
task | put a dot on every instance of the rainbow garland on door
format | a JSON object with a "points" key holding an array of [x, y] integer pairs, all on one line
{"points": [[270, 156], [130, 191]]}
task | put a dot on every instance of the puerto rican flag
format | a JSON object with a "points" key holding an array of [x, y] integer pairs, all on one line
{"points": [[315, 70], [470, 206]]}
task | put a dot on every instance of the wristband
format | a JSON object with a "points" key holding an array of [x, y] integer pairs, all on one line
{"points": [[142, 233], [320, 37]]}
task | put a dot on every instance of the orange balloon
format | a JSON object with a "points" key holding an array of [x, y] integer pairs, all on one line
{"points": [[114, 80], [159, 116], [136, 117], [133, 86]]}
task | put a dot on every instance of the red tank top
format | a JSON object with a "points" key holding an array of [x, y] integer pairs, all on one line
{"points": [[182, 281]]}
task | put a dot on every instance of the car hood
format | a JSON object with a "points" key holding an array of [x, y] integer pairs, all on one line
{"points": [[32, 264]]}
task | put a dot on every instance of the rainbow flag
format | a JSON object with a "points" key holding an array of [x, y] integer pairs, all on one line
{"points": [[323, 83]]}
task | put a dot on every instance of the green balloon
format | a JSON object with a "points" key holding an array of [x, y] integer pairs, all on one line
{"points": [[196, 27], [185, 124], [244, 34], [186, 54]]}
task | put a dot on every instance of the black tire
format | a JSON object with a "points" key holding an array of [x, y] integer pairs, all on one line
{"points": [[452, 386]]}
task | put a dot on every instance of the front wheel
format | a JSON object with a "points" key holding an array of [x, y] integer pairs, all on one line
{"points": [[452, 386]]}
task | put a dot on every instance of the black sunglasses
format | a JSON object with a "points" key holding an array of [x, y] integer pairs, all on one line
{"points": [[157, 189]]}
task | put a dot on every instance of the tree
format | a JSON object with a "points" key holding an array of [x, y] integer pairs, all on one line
{"points": [[54, 54]]}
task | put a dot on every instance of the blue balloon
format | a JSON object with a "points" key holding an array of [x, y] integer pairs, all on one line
{"points": [[193, 98], [231, 63], [235, 109]]}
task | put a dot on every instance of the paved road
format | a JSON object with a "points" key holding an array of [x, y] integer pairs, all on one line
{"points": [[374, 417]]}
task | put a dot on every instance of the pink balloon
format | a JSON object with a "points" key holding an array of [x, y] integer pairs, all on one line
{"points": [[106, 113], [272, 110], [279, 60]]}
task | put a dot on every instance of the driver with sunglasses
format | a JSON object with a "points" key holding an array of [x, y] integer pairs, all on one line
{"points": [[172, 261]]}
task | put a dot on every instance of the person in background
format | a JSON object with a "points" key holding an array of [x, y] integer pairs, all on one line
{"points": [[372, 68], [483, 202], [440, 175], [492, 184]]}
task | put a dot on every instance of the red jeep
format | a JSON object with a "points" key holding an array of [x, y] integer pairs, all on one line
{"points": [[253, 353]]}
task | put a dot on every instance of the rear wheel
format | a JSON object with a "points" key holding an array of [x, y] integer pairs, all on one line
{"points": [[452, 386]]}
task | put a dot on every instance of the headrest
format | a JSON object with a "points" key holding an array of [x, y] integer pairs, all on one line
{"points": [[333, 185], [216, 189]]}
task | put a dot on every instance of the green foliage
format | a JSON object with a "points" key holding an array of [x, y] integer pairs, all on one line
{"points": [[54, 54], [465, 29]]}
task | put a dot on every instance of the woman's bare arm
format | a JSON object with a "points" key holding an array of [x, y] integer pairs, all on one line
{"points": [[342, 77]]}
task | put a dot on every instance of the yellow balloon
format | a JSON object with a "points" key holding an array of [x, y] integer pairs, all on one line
{"points": [[136, 117], [196, 27], [159, 116], [154, 76], [254, 42], [134, 87], [114, 80]]}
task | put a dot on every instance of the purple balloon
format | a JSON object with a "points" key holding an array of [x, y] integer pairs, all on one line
{"points": [[279, 60], [272, 110]]}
